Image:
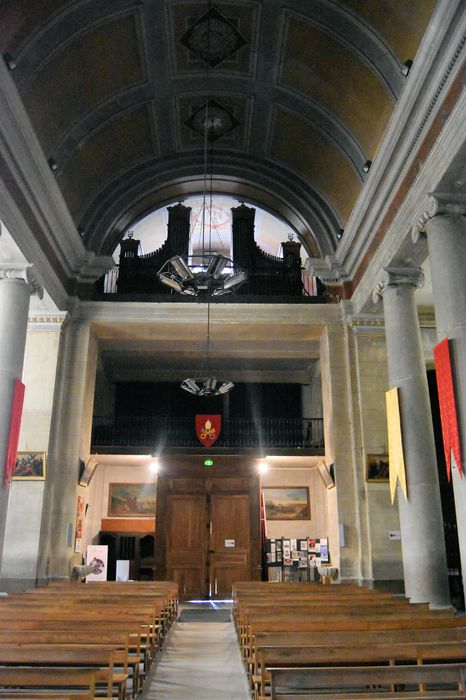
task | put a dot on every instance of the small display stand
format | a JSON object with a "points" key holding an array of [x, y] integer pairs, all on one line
{"points": [[290, 559]]}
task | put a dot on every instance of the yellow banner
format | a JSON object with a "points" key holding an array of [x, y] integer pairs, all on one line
{"points": [[395, 443]]}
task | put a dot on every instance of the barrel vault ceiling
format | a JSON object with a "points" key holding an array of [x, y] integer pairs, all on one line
{"points": [[300, 91]]}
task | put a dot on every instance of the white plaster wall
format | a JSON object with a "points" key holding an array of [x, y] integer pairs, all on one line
{"points": [[96, 494], [21, 546], [381, 516], [317, 525], [40, 365]]}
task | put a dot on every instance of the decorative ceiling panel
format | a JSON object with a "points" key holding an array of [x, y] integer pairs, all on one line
{"points": [[213, 38], [231, 113], [329, 70], [79, 77], [306, 151], [232, 35], [118, 145], [402, 24], [320, 67]]}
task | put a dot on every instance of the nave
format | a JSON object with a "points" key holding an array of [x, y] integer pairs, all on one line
{"points": [[284, 641]]}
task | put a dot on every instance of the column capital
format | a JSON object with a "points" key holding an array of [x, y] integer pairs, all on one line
{"points": [[397, 276], [438, 204], [22, 271]]}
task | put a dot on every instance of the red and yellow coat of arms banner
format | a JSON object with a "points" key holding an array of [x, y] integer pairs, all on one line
{"points": [[208, 429]]}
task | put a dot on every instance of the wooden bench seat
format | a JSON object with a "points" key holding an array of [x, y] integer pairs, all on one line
{"points": [[309, 623], [41, 682], [110, 664], [326, 655], [304, 683], [110, 627], [122, 640]]}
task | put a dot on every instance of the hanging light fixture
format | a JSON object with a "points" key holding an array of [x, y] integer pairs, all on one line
{"points": [[208, 273], [206, 384]]}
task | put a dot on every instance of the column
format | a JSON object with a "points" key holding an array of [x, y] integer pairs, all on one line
{"points": [[421, 523], [17, 283], [446, 238], [69, 442]]}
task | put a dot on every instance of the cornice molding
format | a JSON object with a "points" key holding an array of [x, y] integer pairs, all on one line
{"points": [[46, 321], [438, 204], [426, 316], [366, 325], [437, 65], [22, 272], [327, 269], [32, 205]]}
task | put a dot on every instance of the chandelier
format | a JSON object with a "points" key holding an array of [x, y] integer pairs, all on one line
{"points": [[206, 384], [207, 273], [204, 274]]}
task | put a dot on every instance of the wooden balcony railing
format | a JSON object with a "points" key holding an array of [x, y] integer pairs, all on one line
{"points": [[168, 432]]}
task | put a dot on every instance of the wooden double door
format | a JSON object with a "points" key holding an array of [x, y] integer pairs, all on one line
{"points": [[210, 526]]}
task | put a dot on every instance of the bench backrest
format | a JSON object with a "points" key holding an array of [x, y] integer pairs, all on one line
{"points": [[300, 680]]}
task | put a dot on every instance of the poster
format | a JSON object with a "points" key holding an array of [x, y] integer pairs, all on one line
{"points": [[79, 524], [97, 556]]}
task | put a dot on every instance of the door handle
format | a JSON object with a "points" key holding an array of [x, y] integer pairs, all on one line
{"points": [[211, 551], [215, 590]]}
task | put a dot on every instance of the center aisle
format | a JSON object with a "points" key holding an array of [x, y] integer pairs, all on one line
{"points": [[200, 661]]}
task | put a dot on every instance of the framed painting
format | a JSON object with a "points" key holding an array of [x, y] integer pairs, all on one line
{"points": [[287, 503], [377, 468], [29, 466], [132, 500]]}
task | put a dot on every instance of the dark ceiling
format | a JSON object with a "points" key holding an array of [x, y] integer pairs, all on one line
{"points": [[301, 92]]}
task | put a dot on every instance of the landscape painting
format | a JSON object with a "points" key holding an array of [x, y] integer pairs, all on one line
{"points": [[132, 500], [287, 503]]}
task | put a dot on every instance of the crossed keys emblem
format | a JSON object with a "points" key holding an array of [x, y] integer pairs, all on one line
{"points": [[207, 431]]}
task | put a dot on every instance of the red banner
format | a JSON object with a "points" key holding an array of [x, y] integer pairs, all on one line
{"points": [[446, 395], [208, 429], [13, 435]]}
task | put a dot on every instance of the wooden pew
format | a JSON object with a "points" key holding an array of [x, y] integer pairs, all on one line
{"points": [[70, 612], [349, 638], [311, 615], [304, 684], [20, 682], [120, 640], [343, 623], [104, 660], [321, 655]]}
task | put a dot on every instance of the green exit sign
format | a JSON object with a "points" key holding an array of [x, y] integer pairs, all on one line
{"points": [[208, 463]]}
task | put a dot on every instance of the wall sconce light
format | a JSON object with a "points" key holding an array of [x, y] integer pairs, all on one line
{"points": [[326, 475], [340, 233], [406, 67], [154, 466], [10, 61], [262, 467], [53, 164], [367, 166]]}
